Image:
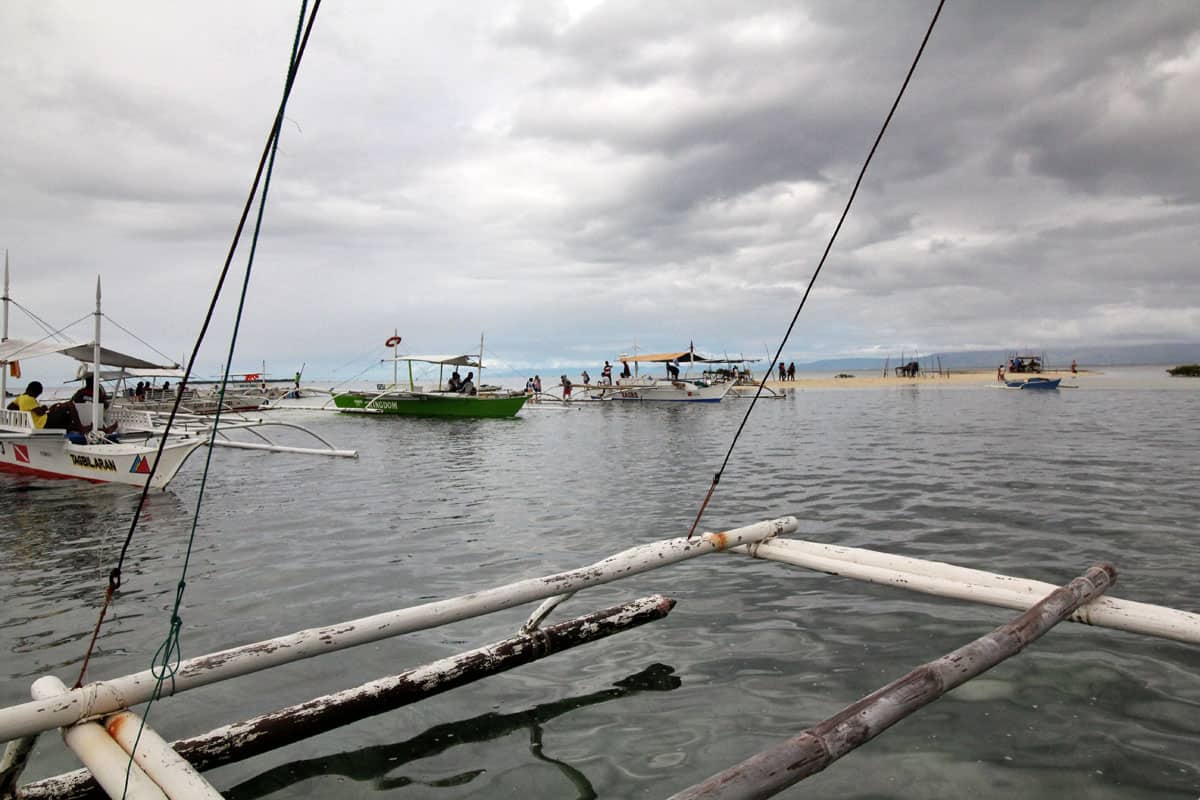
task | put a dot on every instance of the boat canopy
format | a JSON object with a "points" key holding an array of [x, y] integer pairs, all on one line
{"points": [[16, 349], [454, 361], [683, 357], [160, 372]]}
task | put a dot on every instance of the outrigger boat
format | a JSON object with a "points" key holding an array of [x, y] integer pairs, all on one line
{"points": [[123, 444], [669, 389], [1034, 383], [417, 401]]}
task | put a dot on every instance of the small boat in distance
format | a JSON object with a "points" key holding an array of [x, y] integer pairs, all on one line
{"points": [[445, 401], [1034, 383]]}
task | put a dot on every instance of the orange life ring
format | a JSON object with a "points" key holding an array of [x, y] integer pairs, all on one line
{"points": [[392, 341]]}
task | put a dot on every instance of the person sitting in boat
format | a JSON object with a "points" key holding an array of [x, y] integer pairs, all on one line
{"points": [[140, 391], [468, 385], [60, 416], [455, 383], [29, 402], [86, 393]]}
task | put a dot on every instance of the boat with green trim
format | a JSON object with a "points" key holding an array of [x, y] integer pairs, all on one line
{"points": [[448, 400]]}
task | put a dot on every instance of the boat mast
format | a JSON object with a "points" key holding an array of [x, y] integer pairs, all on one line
{"points": [[480, 383], [4, 335], [97, 406], [395, 363]]}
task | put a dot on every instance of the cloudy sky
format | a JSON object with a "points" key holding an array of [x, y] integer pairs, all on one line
{"points": [[572, 178]]}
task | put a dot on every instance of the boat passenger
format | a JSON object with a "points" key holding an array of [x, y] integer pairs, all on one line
{"points": [[86, 393], [69, 415], [58, 416], [673, 370], [455, 382], [606, 374], [625, 373], [29, 402], [468, 385], [566, 387]]}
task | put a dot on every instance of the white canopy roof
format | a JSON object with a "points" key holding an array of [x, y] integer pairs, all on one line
{"points": [[456, 361], [17, 349], [158, 372]]}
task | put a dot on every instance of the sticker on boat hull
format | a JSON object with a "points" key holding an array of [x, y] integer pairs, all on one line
{"points": [[22, 453], [89, 462], [141, 465]]}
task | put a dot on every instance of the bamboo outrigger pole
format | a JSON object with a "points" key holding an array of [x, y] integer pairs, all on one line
{"points": [[772, 771], [286, 726]]}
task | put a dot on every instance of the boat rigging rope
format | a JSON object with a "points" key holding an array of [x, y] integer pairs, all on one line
{"points": [[135, 336], [46, 326], [114, 576], [829, 246]]}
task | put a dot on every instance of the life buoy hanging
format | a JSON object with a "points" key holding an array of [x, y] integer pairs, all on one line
{"points": [[392, 341]]}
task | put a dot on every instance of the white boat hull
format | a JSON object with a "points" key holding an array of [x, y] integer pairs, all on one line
{"points": [[52, 455], [661, 391]]}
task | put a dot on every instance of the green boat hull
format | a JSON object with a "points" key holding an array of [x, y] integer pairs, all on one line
{"points": [[430, 405]]}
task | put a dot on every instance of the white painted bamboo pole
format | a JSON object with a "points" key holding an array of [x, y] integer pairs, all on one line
{"points": [[947, 580], [773, 770], [103, 757], [279, 448], [105, 697], [178, 779], [249, 738]]}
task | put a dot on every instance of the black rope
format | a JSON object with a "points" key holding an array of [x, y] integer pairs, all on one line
{"points": [[845, 212], [114, 576]]}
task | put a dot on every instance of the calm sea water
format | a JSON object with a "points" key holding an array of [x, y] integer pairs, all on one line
{"points": [[1031, 484]]}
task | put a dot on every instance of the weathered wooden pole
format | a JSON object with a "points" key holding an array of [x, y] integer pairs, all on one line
{"points": [[286, 726], [978, 586], [773, 770], [104, 697], [16, 756]]}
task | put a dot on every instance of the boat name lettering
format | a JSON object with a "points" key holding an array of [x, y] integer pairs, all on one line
{"points": [[106, 464]]}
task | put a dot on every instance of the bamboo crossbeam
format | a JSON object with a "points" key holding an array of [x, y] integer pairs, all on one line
{"points": [[252, 737], [103, 757], [773, 770], [105, 697], [962, 583]]}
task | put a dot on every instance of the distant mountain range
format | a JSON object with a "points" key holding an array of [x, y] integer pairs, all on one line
{"points": [[1166, 353]]}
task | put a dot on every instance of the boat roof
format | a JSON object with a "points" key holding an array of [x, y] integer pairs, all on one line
{"points": [[157, 372], [16, 349], [470, 360], [683, 356]]}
